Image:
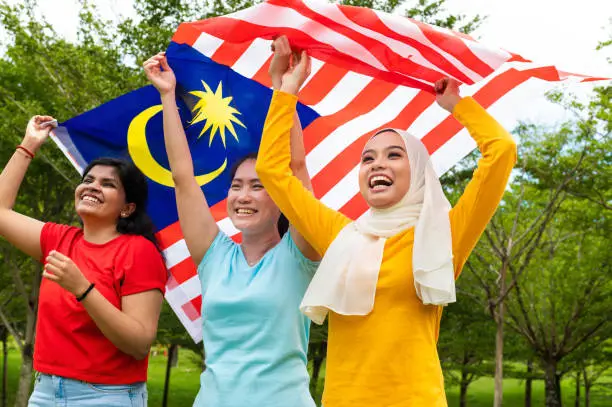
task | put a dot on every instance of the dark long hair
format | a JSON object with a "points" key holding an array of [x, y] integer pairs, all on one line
{"points": [[136, 192], [283, 223]]}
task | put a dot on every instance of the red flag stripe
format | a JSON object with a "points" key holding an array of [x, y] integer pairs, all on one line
{"points": [[186, 33], [262, 75], [228, 53], [321, 84], [184, 270], [355, 207], [169, 235]]}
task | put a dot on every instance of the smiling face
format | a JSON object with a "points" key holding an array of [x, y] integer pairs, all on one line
{"points": [[384, 173], [249, 206], [101, 196]]}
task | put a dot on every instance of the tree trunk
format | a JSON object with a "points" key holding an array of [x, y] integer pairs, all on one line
{"points": [[463, 391], [169, 364], [27, 350], [465, 380], [499, 351], [25, 377], [498, 397], [577, 399], [587, 389], [587, 396], [4, 367], [528, 383], [317, 362], [558, 385], [551, 379]]}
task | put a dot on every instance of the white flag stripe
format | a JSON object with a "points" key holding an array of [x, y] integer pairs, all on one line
{"points": [[176, 298], [448, 154], [270, 15], [227, 227], [344, 135], [207, 44], [255, 56], [432, 116], [176, 253], [194, 328], [486, 54], [347, 88], [192, 287]]}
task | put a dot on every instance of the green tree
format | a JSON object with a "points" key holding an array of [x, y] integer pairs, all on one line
{"points": [[466, 342], [558, 304]]}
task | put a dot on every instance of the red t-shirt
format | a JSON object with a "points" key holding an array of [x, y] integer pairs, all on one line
{"points": [[68, 342]]}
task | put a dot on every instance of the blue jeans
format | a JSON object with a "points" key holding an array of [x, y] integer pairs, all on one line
{"points": [[57, 391]]}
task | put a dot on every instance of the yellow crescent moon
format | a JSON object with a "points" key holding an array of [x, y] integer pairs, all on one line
{"points": [[141, 154]]}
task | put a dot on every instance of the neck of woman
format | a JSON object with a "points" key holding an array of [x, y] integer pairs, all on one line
{"points": [[99, 233], [255, 246]]}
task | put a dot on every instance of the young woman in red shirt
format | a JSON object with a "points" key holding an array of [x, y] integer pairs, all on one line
{"points": [[102, 287]]}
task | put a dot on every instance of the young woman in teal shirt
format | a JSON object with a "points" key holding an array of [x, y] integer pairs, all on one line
{"points": [[255, 337]]}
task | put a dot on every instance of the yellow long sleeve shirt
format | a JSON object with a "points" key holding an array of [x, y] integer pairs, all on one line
{"points": [[389, 357]]}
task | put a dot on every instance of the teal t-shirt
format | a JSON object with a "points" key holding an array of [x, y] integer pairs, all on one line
{"points": [[255, 337]]}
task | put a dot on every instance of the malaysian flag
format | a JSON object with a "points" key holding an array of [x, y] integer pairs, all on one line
{"points": [[370, 70]]}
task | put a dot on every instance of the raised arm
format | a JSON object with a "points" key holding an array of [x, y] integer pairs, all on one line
{"points": [[476, 207], [278, 66], [197, 223], [316, 222], [22, 231]]}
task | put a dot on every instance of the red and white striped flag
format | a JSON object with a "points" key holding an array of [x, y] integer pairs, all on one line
{"points": [[370, 70]]}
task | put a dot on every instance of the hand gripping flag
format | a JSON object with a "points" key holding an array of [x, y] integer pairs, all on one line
{"points": [[370, 70]]}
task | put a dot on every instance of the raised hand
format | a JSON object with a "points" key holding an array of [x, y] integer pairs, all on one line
{"points": [[63, 271], [447, 93], [37, 132], [297, 73], [159, 73], [280, 60]]}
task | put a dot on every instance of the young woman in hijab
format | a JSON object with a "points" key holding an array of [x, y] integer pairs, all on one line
{"points": [[385, 278]]}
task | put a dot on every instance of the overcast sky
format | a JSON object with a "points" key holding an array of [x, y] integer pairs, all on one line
{"points": [[557, 32]]}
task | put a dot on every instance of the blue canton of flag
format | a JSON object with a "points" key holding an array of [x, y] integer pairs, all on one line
{"points": [[131, 127]]}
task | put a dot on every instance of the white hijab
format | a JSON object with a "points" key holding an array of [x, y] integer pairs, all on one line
{"points": [[346, 279]]}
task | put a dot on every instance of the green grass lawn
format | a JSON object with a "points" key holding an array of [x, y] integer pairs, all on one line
{"points": [[184, 384], [184, 380], [480, 394], [14, 360]]}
